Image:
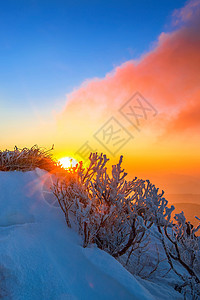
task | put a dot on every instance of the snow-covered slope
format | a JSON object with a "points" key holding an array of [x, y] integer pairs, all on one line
{"points": [[40, 258]]}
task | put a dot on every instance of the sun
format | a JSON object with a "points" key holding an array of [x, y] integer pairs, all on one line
{"points": [[67, 162]]}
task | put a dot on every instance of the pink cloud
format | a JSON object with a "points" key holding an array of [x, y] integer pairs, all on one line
{"points": [[186, 13], [188, 118], [168, 76]]}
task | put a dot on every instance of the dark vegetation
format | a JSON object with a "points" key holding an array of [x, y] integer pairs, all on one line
{"points": [[27, 159]]}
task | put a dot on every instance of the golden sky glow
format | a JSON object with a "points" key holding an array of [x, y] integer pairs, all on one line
{"points": [[168, 78], [168, 141]]}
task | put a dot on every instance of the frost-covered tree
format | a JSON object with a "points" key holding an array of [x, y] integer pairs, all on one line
{"points": [[120, 216], [182, 248], [104, 206]]}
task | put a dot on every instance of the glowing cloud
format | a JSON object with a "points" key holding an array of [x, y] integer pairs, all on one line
{"points": [[167, 76]]}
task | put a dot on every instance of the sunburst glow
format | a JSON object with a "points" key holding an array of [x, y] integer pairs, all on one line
{"points": [[67, 162]]}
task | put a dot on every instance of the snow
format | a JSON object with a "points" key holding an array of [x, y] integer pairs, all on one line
{"points": [[41, 258]]}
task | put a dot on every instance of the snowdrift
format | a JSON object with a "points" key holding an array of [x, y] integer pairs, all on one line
{"points": [[40, 258]]}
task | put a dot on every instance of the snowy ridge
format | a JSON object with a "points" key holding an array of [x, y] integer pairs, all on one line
{"points": [[41, 258]]}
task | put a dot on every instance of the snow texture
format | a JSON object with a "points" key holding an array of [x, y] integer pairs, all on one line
{"points": [[41, 258]]}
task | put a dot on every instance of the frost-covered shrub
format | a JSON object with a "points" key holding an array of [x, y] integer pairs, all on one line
{"points": [[27, 159], [110, 211], [105, 206], [121, 217], [182, 249]]}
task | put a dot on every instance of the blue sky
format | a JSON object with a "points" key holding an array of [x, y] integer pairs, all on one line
{"points": [[49, 47]]}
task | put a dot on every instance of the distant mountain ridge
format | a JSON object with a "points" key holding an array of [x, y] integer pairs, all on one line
{"points": [[190, 211], [183, 198]]}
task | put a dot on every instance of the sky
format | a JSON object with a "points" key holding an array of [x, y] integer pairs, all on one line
{"points": [[119, 77]]}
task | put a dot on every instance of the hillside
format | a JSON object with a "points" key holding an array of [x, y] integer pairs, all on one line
{"points": [[42, 259]]}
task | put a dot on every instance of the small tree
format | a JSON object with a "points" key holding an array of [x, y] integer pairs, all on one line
{"points": [[181, 245], [105, 206], [117, 215]]}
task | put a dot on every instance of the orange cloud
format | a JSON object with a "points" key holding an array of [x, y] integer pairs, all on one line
{"points": [[187, 119], [167, 76]]}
